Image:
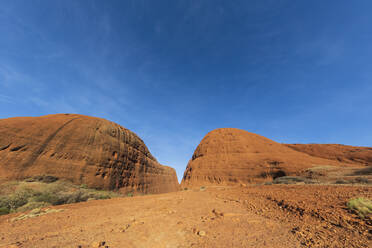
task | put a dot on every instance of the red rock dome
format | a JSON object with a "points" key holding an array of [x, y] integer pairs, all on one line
{"points": [[229, 155], [82, 149]]}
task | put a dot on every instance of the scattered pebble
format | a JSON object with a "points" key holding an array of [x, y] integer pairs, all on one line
{"points": [[99, 244]]}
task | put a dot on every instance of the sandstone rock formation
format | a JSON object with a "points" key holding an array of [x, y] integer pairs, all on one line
{"points": [[229, 156], [341, 153], [82, 149]]}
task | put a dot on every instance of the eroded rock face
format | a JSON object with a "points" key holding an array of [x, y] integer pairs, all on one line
{"points": [[230, 156], [82, 149], [341, 153]]}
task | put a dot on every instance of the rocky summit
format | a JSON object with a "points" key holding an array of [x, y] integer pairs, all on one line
{"points": [[81, 149], [230, 156]]}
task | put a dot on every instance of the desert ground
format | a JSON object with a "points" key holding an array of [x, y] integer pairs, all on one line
{"points": [[212, 216]]}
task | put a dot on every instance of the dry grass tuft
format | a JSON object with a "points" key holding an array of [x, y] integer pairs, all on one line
{"points": [[361, 206]]}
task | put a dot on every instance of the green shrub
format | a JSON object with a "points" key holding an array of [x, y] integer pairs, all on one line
{"points": [[59, 198], [4, 210], [43, 178], [84, 186], [30, 180], [4, 202], [20, 198], [361, 180], [77, 196], [342, 181], [41, 192], [101, 195], [49, 197], [288, 180], [365, 171], [361, 206]]}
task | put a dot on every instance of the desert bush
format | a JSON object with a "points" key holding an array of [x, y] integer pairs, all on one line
{"points": [[59, 198], [84, 186], [342, 181], [50, 197], [77, 196], [4, 202], [361, 180], [101, 195], [361, 206], [20, 198], [15, 200], [30, 180], [274, 174], [4, 210], [288, 180], [366, 171], [23, 196], [321, 168], [43, 178]]}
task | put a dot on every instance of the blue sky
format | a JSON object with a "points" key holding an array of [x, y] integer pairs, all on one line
{"points": [[171, 71]]}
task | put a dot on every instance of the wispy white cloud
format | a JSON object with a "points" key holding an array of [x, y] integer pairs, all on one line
{"points": [[6, 99], [10, 75]]}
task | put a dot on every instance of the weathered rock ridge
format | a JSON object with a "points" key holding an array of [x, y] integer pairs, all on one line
{"points": [[82, 149], [342, 153], [229, 156]]}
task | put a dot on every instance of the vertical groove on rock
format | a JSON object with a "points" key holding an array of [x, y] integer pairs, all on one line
{"points": [[36, 154], [81, 149]]}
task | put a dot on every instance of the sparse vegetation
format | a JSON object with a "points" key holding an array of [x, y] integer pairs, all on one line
{"points": [[4, 210], [342, 181], [361, 206], [45, 191], [356, 180], [43, 178], [292, 180], [361, 180], [366, 171], [322, 168], [274, 174], [36, 212], [84, 186]]}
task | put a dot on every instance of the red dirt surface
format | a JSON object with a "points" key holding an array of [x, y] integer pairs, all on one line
{"points": [[82, 149], [252, 216], [233, 156], [349, 154]]}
